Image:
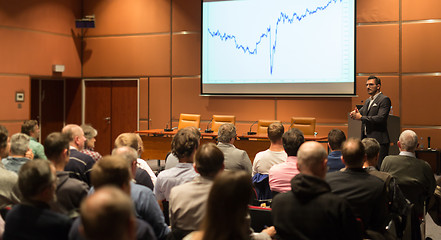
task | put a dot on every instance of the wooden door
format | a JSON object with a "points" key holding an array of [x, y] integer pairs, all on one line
{"points": [[111, 107]]}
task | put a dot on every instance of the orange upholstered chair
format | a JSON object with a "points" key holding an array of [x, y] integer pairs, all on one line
{"points": [[305, 124], [218, 120], [189, 120], [262, 126]]}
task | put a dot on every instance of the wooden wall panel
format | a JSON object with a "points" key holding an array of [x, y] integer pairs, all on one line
{"points": [[421, 47], [127, 56], [186, 54], [11, 110], [328, 110], [34, 53], [377, 48], [389, 87], [422, 9], [159, 104], [377, 10], [115, 17], [13, 126], [42, 15], [186, 15], [143, 98], [186, 99], [421, 100]]}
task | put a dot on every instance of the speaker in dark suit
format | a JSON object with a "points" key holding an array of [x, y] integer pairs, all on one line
{"points": [[373, 116]]}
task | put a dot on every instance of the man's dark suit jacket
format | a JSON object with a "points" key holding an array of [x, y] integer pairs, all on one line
{"points": [[375, 119]]}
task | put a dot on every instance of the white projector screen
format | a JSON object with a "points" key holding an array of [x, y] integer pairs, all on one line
{"points": [[278, 47]]}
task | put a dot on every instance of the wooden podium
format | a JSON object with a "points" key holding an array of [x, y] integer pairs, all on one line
{"points": [[393, 128]]}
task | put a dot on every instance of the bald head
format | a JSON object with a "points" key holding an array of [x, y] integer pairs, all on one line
{"points": [[129, 154], [408, 141], [76, 136], [353, 153], [108, 214], [311, 159]]}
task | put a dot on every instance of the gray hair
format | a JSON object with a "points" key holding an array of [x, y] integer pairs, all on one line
{"points": [[408, 140], [371, 147], [89, 131], [226, 132], [311, 154], [129, 154], [19, 144]]}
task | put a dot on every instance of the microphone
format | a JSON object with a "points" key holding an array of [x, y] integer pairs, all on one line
{"points": [[250, 132], [167, 129], [290, 126], [208, 130]]}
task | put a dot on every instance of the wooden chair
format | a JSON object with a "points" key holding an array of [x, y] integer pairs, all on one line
{"points": [[189, 120], [305, 124], [218, 120], [262, 126]]}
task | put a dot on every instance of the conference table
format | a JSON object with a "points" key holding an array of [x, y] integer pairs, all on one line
{"points": [[157, 142]]}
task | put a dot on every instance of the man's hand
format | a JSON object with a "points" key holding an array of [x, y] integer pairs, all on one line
{"points": [[355, 114], [29, 154], [271, 231]]}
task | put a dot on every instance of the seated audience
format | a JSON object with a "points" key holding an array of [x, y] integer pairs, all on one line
{"points": [[171, 160], [414, 176], [117, 171], [143, 175], [9, 193], [188, 200], [19, 149], [31, 128], [275, 154], [364, 192], [398, 205], [310, 210], [32, 219], [280, 175], [90, 133], [108, 215], [184, 146], [336, 137], [235, 159], [80, 164], [70, 191], [227, 210]]}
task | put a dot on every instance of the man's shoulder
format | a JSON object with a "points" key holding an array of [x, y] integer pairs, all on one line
{"points": [[81, 156], [140, 188]]}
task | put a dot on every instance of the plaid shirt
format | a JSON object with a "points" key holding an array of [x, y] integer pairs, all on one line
{"points": [[95, 155]]}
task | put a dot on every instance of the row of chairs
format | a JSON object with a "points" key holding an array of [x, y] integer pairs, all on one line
{"points": [[305, 124]]}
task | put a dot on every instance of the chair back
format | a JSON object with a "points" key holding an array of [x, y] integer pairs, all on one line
{"points": [[260, 218], [189, 120], [305, 124], [218, 120], [262, 126]]}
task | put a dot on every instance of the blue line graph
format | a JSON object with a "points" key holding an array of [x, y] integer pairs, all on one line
{"points": [[282, 19]]}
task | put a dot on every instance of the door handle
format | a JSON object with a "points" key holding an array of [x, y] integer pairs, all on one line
{"points": [[107, 119]]}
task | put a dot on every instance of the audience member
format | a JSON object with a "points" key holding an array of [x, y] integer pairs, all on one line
{"points": [[18, 151], [70, 191], [235, 159], [31, 128], [108, 215], [336, 137], [80, 164], [398, 205], [141, 162], [171, 160], [90, 133], [280, 175], [9, 193], [184, 146], [364, 192], [227, 210], [117, 171], [275, 154], [188, 201], [414, 176], [144, 174], [310, 210], [32, 219]]}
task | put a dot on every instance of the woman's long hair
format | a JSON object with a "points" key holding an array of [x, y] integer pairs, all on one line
{"points": [[227, 207]]}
